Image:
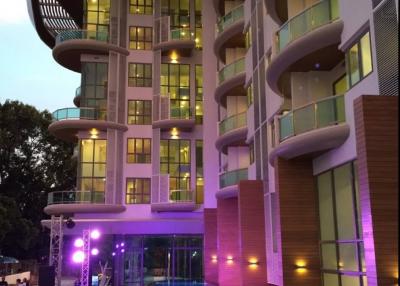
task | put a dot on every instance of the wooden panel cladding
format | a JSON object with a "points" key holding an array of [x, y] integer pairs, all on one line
{"points": [[210, 246], [299, 225], [229, 259], [376, 125], [252, 233]]}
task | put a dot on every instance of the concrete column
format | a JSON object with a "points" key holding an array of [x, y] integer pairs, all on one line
{"points": [[210, 246]]}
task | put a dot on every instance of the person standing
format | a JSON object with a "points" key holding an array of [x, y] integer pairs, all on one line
{"points": [[19, 283]]}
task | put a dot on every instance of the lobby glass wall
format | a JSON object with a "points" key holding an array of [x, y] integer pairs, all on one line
{"points": [[342, 249], [148, 259]]}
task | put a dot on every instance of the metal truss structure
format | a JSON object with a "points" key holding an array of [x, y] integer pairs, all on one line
{"points": [[56, 245], [86, 258]]}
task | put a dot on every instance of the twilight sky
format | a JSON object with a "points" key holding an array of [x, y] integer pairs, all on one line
{"points": [[28, 72]]}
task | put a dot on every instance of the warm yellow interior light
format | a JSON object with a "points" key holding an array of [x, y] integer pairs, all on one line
{"points": [[174, 57], [94, 133]]}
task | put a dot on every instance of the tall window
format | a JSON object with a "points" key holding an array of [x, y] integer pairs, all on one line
{"points": [[359, 60], [199, 172], [342, 249], [140, 38], [137, 191], [251, 152], [139, 112], [198, 24], [139, 150], [92, 165], [139, 75], [175, 161], [179, 13], [249, 93], [175, 79], [96, 15], [141, 7], [94, 89], [199, 94]]}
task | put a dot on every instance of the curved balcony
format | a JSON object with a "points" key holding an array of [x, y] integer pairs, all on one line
{"points": [[277, 9], [68, 121], [305, 40], [167, 115], [71, 44], [219, 6], [181, 40], [311, 129], [69, 202], [165, 200], [231, 80], [229, 183], [232, 131], [229, 32], [77, 98]]}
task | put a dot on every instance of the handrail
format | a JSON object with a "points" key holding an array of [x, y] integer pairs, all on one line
{"points": [[76, 197], [318, 14], [81, 35], [173, 112], [231, 70], [181, 34], [322, 113], [75, 113], [230, 18], [232, 122], [177, 196], [231, 178]]}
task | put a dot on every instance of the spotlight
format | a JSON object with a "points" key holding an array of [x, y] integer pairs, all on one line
{"points": [[95, 251], [95, 234], [70, 223], [78, 242], [78, 256]]}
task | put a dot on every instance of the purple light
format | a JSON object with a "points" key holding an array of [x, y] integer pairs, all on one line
{"points": [[122, 244], [78, 242], [122, 250], [117, 246], [95, 234], [78, 256], [113, 254], [94, 251]]}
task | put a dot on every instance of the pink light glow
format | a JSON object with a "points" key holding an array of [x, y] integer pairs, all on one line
{"points": [[95, 251], [78, 242], [78, 256], [95, 234]]}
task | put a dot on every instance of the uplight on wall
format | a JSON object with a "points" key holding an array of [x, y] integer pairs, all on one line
{"points": [[301, 267], [214, 259], [253, 262], [174, 133], [94, 133], [229, 259], [174, 57]]}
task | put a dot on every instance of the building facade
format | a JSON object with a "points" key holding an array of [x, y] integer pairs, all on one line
{"points": [[236, 142]]}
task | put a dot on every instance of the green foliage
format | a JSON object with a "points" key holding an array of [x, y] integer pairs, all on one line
{"points": [[32, 164]]}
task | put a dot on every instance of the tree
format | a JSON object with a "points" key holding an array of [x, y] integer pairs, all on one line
{"points": [[32, 164]]}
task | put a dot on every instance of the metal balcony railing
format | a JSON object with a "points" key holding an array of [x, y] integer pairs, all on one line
{"points": [[232, 178], [233, 122], [231, 70], [81, 35], [74, 113], [231, 17], [75, 197]]}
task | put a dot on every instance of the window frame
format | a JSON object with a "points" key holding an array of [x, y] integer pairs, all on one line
{"points": [[137, 155], [143, 42], [133, 7], [145, 119], [140, 194], [147, 80]]}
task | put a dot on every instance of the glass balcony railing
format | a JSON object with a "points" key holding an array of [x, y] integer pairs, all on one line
{"points": [[315, 16], [81, 35], [182, 34], [232, 178], [231, 70], [232, 122], [75, 197], [230, 18], [76, 113], [177, 196], [180, 112], [326, 112]]}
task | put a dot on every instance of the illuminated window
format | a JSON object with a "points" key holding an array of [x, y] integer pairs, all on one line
{"points": [[139, 112], [340, 85], [175, 83], [140, 38], [137, 191], [199, 94], [96, 15], [341, 241], [175, 161], [251, 152], [199, 172], [198, 24], [359, 60], [141, 7], [92, 165], [178, 10], [249, 93], [139, 150], [248, 38], [139, 75]]}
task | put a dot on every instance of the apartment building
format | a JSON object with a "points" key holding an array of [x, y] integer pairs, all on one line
{"points": [[231, 142]]}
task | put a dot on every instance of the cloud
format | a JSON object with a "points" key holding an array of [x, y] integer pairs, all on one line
{"points": [[13, 12]]}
